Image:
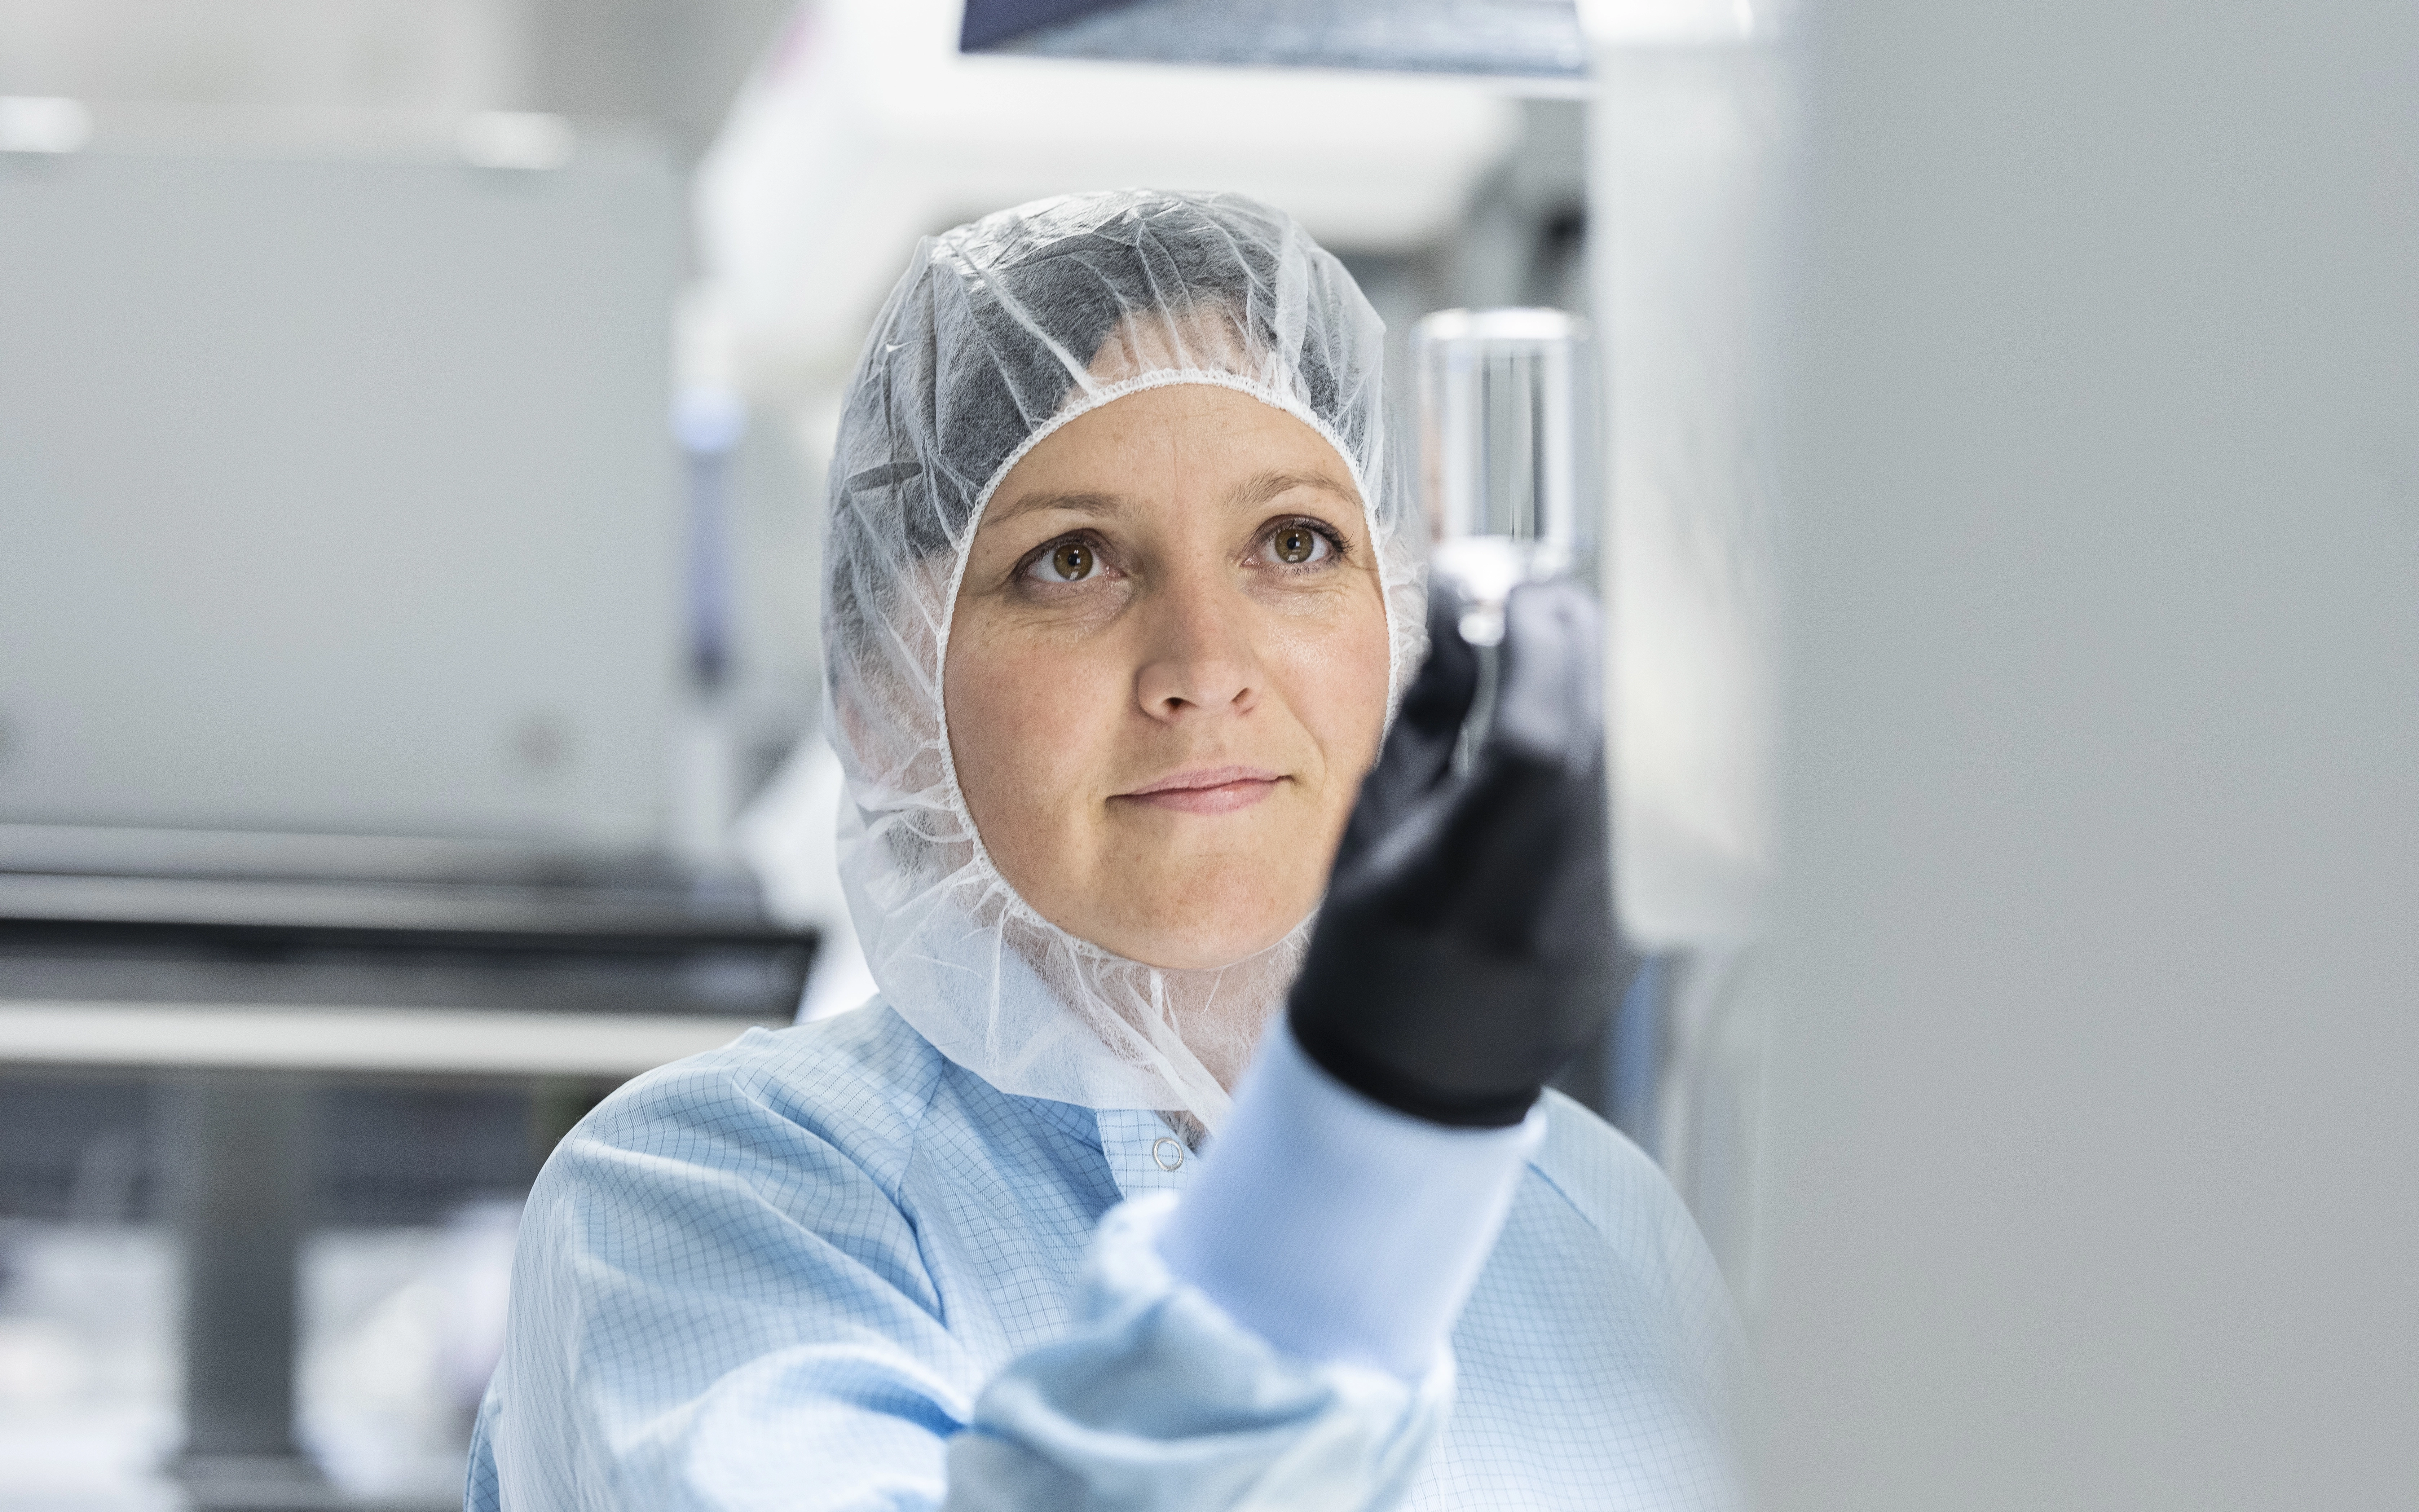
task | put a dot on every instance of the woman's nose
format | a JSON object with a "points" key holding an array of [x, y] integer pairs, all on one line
{"points": [[1198, 653]]}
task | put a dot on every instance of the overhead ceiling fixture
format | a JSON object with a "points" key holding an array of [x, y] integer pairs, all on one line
{"points": [[1536, 40]]}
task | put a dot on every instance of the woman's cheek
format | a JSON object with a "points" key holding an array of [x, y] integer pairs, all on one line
{"points": [[1034, 706], [1338, 672]]}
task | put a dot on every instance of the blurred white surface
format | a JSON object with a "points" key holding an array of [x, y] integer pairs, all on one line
{"points": [[2092, 1129], [43, 124], [335, 495], [863, 128], [87, 1367], [532, 141], [402, 1040], [789, 837], [400, 1328], [323, 55], [1692, 140]]}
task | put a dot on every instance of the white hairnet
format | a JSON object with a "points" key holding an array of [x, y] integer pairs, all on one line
{"points": [[1000, 333]]}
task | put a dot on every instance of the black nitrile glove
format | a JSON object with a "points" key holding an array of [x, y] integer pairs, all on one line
{"points": [[1466, 948]]}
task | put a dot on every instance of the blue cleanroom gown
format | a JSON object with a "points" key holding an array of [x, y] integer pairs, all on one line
{"points": [[779, 1275]]}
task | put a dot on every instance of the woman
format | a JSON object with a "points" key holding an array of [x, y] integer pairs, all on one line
{"points": [[1122, 594]]}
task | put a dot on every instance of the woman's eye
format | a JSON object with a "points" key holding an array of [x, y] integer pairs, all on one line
{"points": [[1295, 545], [1069, 562]]}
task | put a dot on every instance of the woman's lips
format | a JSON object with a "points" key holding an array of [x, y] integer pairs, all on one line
{"points": [[1208, 789]]}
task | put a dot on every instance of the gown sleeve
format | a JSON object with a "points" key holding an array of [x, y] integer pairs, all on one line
{"points": [[1160, 1401], [1276, 1341]]}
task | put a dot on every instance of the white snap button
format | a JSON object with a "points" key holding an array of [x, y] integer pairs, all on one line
{"points": [[1169, 1154]]}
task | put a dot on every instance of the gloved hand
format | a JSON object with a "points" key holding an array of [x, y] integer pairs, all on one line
{"points": [[1466, 948]]}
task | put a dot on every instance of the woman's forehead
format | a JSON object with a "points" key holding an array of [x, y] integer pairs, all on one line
{"points": [[1210, 441]]}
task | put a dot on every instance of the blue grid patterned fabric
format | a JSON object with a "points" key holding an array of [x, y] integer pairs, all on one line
{"points": [[779, 1274]]}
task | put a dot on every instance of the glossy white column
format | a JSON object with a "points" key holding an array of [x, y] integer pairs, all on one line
{"points": [[2092, 1129]]}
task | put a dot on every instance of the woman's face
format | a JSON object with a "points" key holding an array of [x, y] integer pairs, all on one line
{"points": [[1168, 673]]}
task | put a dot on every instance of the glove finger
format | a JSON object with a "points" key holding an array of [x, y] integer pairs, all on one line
{"points": [[1523, 839], [1551, 703], [1518, 856], [1418, 752]]}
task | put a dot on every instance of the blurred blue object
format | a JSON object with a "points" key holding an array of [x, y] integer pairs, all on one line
{"points": [[1637, 1053], [708, 424]]}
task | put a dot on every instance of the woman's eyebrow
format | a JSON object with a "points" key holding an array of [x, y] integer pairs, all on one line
{"points": [[1259, 491], [1074, 503]]}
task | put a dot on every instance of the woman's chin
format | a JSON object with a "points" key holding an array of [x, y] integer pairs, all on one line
{"points": [[1186, 945], [1176, 911]]}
